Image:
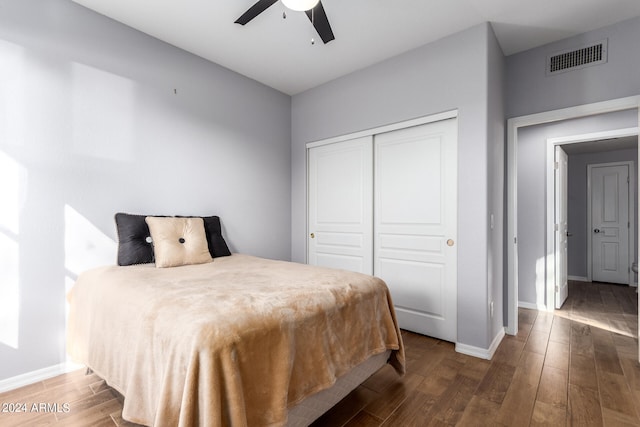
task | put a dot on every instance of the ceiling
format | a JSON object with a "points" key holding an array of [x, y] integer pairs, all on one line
{"points": [[624, 143], [278, 52]]}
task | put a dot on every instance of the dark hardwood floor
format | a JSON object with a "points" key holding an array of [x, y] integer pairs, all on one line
{"points": [[577, 366]]}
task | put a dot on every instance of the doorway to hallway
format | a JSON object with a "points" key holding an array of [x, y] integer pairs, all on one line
{"points": [[591, 210]]}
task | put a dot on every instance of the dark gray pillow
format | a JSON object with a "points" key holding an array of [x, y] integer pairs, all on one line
{"points": [[217, 246], [134, 239]]}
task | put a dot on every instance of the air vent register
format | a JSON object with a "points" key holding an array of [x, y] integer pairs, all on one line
{"points": [[592, 54]]}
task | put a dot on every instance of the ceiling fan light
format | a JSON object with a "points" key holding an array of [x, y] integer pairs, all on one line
{"points": [[300, 5]]}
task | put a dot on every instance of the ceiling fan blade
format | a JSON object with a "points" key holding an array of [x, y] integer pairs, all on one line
{"points": [[318, 17], [254, 11]]}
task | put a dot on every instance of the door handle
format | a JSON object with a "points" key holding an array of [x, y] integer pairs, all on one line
{"points": [[312, 235], [596, 230], [569, 234]]}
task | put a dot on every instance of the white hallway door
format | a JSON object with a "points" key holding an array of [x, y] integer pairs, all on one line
{"points": [[562, 226], [387, 205], [610, 223]]}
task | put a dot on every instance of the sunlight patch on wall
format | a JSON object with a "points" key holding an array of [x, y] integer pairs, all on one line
{"points": [[71, 365], [12, 185], [85, 245], [541, 284], [12, 96], [9, 292], [103, 119]]}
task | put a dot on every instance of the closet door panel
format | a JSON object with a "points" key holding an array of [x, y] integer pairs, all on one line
{"points": [[415, 281], [402, 161], [340, 204], [415, 216]]}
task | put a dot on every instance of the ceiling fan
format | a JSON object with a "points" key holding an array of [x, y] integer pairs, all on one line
{"points": [[313, 8]]}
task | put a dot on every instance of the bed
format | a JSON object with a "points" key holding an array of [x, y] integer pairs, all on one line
{"points": [[236, 341]]}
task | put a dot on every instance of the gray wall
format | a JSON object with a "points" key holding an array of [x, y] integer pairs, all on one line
{"points": [[577, 209], [496, 187], [532, 149], [448, 74], [90, 125], [530, 90]]}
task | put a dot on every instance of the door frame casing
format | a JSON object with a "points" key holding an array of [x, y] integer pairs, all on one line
{"points": [[550, 260], [513, 125], [631, 213], [386, 128]]}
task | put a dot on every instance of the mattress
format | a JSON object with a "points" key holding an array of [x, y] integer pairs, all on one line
{"points": [[237, 341], [310, 409]]}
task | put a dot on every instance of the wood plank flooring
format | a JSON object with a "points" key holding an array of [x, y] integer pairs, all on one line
{"points": [[577, 366]]}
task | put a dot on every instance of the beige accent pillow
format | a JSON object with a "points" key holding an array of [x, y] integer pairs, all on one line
{"points": [[178, 241]]}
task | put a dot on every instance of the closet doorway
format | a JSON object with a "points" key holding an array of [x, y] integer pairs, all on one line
{"points": [[386, 204]]}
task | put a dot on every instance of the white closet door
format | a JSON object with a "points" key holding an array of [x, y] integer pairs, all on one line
{"points": [[340, 223], [415, 225]]}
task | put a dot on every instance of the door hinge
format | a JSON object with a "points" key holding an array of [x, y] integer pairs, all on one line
{"points": [[556, 288], [515, 240], [555, 165], [555, 227]]}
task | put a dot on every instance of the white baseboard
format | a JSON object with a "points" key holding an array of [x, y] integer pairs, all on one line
{"points": [[482, 353], [36, 376], [584, 279], [532, 306]]}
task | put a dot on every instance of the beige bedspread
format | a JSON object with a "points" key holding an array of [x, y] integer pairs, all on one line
{"points": [[229, 343]]}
